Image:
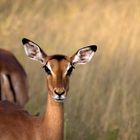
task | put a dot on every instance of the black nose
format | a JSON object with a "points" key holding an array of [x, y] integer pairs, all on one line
{"points": [[59, 92]]}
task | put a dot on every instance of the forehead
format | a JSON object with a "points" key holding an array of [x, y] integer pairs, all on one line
{"points": [[57, 61], [58, 57]]}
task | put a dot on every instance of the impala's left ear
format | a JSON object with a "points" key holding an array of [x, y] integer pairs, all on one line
{"points": [[83, 55]]}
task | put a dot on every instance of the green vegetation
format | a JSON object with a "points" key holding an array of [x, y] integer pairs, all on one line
{"points": [[104, 96]]}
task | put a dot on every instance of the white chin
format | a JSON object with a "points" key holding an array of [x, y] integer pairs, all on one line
{"points": [[59, 99]]}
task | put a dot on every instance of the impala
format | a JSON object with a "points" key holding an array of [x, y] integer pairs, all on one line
{"points": [[17, 124], [13, 80]]}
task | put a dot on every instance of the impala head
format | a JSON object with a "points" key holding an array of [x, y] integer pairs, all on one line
{"points": [[58, 67]]}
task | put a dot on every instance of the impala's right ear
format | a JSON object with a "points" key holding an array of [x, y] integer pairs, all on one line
{"points": [[33, 51]]}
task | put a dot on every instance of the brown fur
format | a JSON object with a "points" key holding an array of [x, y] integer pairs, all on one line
{"points": [[17, 124], [13, 79]]}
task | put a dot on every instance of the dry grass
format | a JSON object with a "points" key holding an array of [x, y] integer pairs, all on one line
{"points": [[105, 104]]}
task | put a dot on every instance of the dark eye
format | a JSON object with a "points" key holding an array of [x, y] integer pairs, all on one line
{"points": [[47, 70], [69, 72]]}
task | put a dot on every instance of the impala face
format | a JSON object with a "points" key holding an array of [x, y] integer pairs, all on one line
{"points": [[58, 67]]}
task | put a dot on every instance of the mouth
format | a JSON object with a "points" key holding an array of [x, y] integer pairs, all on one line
{"points": [[59, 99]]}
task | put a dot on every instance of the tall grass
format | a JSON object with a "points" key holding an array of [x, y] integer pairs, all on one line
{"points": [[104, 96]]}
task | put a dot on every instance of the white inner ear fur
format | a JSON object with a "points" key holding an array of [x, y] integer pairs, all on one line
{"points": [[33, 51], [89, 56], [79, 59], [31, 48]]}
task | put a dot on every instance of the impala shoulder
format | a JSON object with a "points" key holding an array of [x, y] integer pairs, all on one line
{"points": [[9, 107]]}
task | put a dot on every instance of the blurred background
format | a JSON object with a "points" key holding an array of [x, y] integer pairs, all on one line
{"points": [[104, 96]]}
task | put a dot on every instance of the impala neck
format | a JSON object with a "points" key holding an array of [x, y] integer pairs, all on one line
{"points": [[53, 120]]}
